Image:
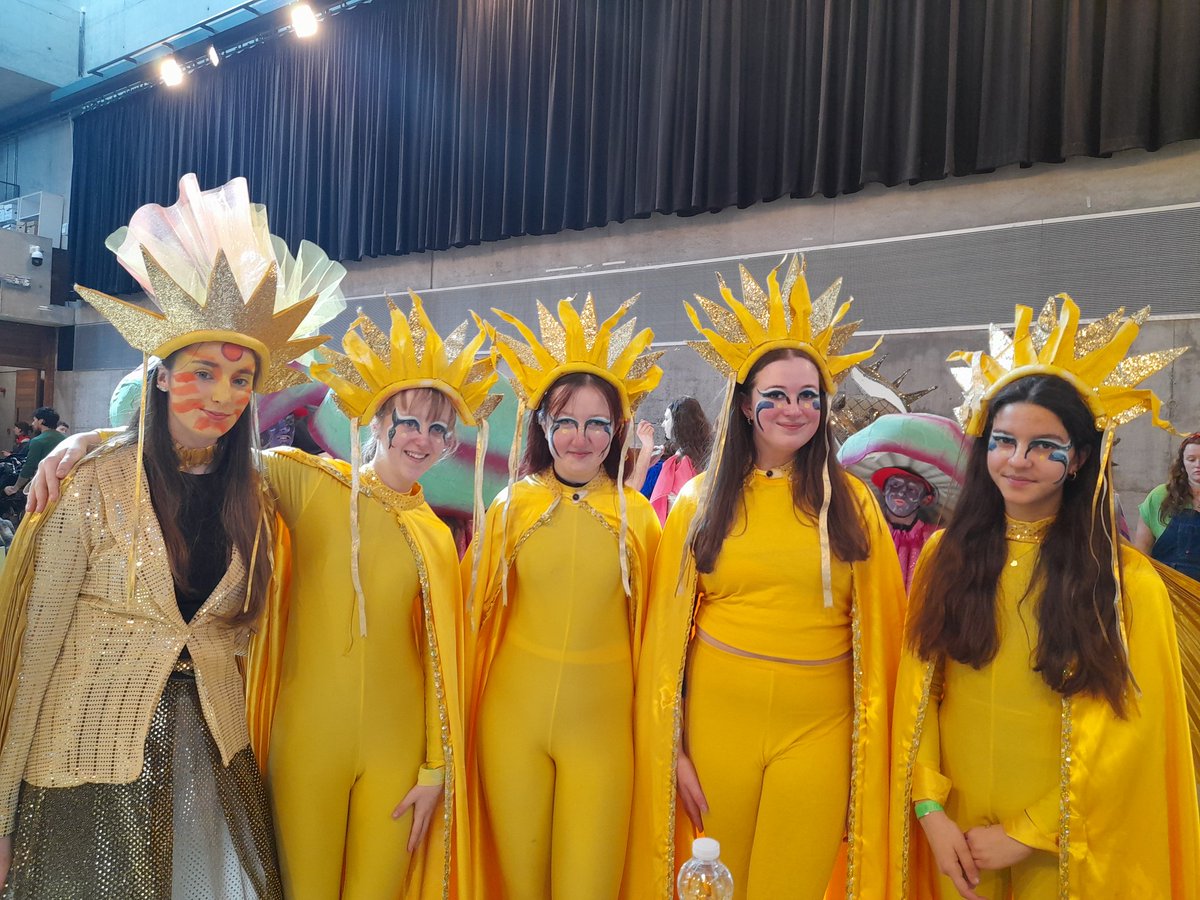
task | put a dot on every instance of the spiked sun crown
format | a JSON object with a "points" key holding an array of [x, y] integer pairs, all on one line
{"points": [[376, 365], [782, 317], [1092, 359], [575, 342], [217, 274]]}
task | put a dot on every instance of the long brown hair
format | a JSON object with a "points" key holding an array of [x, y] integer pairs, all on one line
{"points": [[954, 596], [692, 434], [537, 456], [847, 535], [1179, 491], [243, 502]]}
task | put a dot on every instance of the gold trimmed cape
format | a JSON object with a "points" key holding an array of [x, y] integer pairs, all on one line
{"points": [[660, 835], [533, 502], [437, 869], [1128, 823]]}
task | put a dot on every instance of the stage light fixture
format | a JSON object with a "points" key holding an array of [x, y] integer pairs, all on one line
{"points": [[213, 56], [170, 72], [304, 20]]}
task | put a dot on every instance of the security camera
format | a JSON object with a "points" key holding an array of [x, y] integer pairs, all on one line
{"points": [[35, 254]]}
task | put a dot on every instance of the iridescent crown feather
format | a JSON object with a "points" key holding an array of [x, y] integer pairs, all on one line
{"points": [[782, 317], [376, 365], [216, 273], [576, 342], [1092, 359]]}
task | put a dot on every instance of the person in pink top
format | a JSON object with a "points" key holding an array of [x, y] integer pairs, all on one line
{"points": [[687, 428]]}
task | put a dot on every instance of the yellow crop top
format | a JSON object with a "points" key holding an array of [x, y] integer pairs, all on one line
{"points": [[764, 593]]}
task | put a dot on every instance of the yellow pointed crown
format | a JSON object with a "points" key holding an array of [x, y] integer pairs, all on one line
{"points": [[1092, 359], [782, 317], [220, 314], [576, 342], [376, 365]]}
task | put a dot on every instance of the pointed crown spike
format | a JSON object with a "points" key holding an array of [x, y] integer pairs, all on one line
{"points": [[413, 355], [781, 317], [578, 342], [1092, 359]]}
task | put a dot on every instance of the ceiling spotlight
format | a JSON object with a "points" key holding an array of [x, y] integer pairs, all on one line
{"points": [[304, 20], [170, 72], [213, 56]]}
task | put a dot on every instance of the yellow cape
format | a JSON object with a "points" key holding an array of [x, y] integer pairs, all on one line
{"points": [[1185, 599], [659, 839], [1129, 827], [436, 872], [533, 502]]}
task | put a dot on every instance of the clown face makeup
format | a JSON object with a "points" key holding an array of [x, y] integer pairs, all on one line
{"points": [[784, 409], [411, 436], [904, 495], [1030, 457], [579, 433], [208, 388]]}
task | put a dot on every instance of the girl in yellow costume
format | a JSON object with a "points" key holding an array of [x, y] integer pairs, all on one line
{"points": [[765, 685], [357, 687], [557, 617], [1040, 736], [124, 714]]}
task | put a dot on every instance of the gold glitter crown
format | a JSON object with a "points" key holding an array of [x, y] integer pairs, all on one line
{"points": [[217, 273], [1092, 359], [765, 321], [375, 365], [220, 315], [574, 342]]}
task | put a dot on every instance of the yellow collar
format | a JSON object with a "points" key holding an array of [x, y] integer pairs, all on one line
{"points": [[1027, 532]]}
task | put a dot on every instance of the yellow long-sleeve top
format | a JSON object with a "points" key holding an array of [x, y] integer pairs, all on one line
{"points": [[764, 593], [1001, 721], [1121, 812], [314, 502]]}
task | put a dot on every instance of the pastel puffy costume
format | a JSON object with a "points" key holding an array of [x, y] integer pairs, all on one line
{"points": [[1108, 803], [932, 447], [124, 723], [356, 687], [558, 611], [776, 591]]}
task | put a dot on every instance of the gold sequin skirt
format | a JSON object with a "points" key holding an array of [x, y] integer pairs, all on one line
{"points": [[188, 828]]}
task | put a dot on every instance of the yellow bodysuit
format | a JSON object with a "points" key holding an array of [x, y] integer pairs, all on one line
{"points": [[553, 728], [1108, 804], [355, 721], [792, 757]]}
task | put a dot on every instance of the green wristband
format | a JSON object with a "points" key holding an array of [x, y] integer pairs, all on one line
{"points": [[924, 807]]}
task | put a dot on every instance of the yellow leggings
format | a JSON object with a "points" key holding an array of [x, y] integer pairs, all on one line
{"points": [[556, 759], [345, 749], [771, 746]]}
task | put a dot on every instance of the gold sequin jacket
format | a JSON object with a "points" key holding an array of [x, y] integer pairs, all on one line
{"points": [[93, 663]]}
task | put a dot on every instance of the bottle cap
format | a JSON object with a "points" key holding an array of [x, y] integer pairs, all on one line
{"points": [[706, 849]]}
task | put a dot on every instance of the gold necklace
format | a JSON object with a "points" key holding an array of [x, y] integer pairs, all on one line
{"points": [[195, 457]]}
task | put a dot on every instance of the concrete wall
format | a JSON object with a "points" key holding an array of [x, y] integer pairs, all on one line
{"points": [[116, 27], [39, 159], [24, 304], [40, 40], [82, 397]]}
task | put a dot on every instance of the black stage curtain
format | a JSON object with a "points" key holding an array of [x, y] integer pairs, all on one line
{"points": [[413, 125]]}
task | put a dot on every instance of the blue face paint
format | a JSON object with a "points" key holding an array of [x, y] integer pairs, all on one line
{"points": [[992, 445], [396, 423], [763, 406]]}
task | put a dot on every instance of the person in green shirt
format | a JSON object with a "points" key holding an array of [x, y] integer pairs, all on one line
{"points": [[1169, 525], [45, 439]]}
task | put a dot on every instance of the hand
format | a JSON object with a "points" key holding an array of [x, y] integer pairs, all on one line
{"points": [[10, 490], [5, 857], [645, 435], [691, 795], [951, 852], [991, 848], [424, 800], [43, 489]]}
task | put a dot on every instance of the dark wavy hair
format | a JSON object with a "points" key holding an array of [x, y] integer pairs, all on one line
{"points": [[537, 456], [233, 473], [954, 596], [1179, 492], [847, 535], [692, 432]]}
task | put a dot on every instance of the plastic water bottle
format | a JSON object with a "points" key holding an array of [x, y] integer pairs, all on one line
{"points": [[704, 876]]}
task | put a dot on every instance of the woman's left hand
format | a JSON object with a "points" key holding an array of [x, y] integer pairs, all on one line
{"points": [[991, 848], [424, 800]]}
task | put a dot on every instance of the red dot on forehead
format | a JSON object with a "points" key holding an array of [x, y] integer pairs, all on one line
{"points": [[232, 352]]}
